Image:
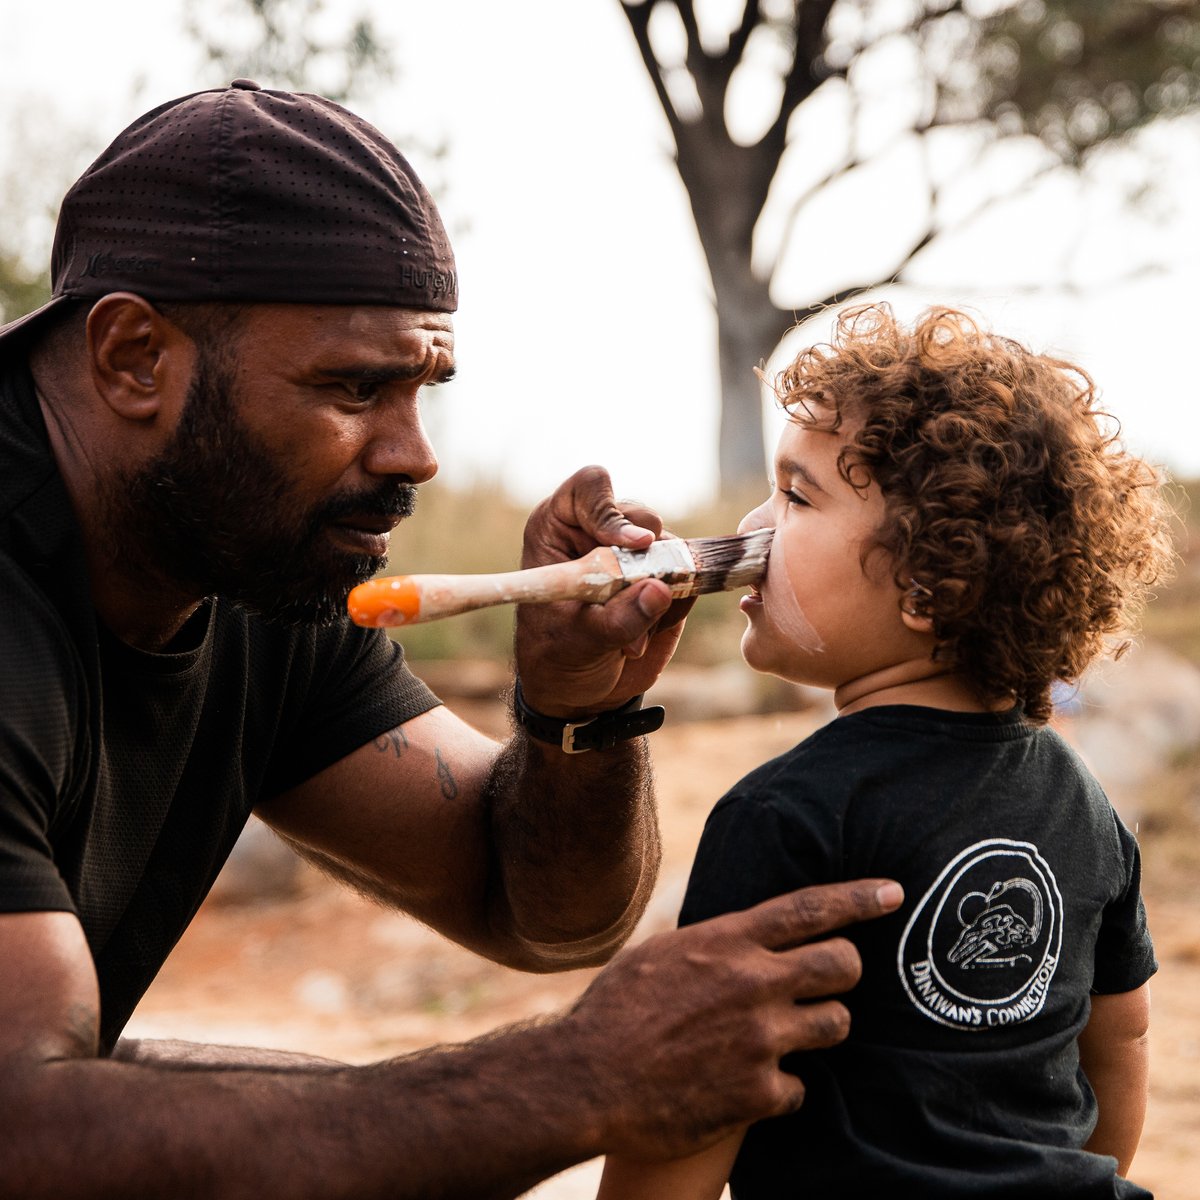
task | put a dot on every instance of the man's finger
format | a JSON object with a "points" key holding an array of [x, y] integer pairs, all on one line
{"points": [[642, 516], [630, 614], [594, 509], [798, 917], [824, 968], [814, 1026]]}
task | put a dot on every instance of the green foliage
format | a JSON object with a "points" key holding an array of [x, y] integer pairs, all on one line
{"points": [[21, 290], [1076, 73]]}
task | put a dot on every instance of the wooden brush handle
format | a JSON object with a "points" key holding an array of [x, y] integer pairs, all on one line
{"points": [[409, 599]]}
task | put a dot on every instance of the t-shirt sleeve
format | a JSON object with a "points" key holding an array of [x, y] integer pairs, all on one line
{"points": [[360, 688], [1124, 952], [40, 729], [753, 848]]}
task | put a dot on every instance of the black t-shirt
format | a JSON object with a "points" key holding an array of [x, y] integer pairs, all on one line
{"points": [[126, 776], [961, 1075]]}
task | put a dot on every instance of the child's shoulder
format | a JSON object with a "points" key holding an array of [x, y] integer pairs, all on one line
{"points": [[808, 773], [874, 731], [872, 753]]}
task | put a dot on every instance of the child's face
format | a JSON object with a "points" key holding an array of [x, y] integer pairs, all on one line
{"points": [[822, 615]]}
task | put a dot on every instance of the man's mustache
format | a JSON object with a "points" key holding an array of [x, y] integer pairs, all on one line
{"points": [[388, 500]]}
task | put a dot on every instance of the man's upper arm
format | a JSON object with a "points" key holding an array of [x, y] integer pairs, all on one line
{"points": [[50, 1001], [403, 818]]}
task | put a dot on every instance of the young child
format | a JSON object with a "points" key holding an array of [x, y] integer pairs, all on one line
{"points": [[956, 529]]}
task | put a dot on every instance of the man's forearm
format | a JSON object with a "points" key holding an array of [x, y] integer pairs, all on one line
{"points": [[168, 1052], [91, 1127], [676, 1042], [576, 848]]}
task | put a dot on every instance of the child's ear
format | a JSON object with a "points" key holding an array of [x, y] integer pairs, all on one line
{"points": [[914, 608], [917, 622]]}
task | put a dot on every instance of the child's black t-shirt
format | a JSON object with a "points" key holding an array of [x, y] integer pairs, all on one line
{"points": [[961, 1075]]}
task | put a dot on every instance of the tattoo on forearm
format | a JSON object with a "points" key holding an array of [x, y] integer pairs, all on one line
{"points": [[393, 742], [445, 777]]}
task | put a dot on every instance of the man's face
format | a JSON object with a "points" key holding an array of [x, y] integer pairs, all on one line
{"points": [[293, 459]]}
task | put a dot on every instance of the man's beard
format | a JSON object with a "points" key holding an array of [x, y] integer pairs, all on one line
{"points": [[214, 513]]}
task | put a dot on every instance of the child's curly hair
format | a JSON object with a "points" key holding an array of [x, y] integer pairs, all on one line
{"points": [[1017, 520]]}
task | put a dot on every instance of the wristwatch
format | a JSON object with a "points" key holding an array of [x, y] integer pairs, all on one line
{"points": [[601, 732]]}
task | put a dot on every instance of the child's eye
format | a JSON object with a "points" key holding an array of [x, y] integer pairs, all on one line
{"points": [[794, 498]]}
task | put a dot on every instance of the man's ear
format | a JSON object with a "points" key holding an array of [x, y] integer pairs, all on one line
{"points": [[139, 361]]}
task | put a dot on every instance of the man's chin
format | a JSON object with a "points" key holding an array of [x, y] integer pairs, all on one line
{"points": [[320, 603]]}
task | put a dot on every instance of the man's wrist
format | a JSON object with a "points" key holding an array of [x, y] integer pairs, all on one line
{"points": [[601, 731]]}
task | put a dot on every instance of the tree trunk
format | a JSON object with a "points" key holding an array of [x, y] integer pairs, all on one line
{"points": [[749, 326]]}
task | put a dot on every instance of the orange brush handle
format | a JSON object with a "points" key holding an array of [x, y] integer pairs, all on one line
{"points": [[409, 599]]}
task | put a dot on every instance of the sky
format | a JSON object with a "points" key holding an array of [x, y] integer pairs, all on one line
{"points": [[586, 331]]}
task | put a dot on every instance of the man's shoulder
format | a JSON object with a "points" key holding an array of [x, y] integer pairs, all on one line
{"points": [[30, 616], [24, 447], [44, 687]]}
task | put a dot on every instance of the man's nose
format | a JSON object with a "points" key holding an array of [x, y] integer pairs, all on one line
{"points": [[399, 446]]}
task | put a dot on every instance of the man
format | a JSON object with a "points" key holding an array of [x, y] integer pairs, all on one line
{"points": [[208, 433]]}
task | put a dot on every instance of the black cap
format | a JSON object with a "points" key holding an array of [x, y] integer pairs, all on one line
{"points": [[250, 194]]}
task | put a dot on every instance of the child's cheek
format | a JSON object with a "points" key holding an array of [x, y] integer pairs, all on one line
{"points": [[785, 580]]}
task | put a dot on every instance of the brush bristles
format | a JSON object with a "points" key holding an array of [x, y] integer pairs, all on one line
{"points": [[725, 563]]}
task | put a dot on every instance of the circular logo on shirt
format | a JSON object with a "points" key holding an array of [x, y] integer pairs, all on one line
{"points": [[982, 946]]}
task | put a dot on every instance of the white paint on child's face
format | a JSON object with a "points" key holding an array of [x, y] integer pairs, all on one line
{"points": [[822, 615], [787, 616]]}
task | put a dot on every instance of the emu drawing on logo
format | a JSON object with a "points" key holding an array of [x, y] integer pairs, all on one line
{"points": [[991, 926], [981, 947]]}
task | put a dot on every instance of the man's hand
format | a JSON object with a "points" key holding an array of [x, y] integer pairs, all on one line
{"points": [[577, 659], [686, 1030]]}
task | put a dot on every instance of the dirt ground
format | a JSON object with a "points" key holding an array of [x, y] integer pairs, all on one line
{"points": [[328, 973]]}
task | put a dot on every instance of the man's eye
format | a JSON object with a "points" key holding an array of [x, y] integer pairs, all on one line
{"points": [[364, 391]]}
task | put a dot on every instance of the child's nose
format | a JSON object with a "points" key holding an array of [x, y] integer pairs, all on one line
{"points": [[759, 518]]}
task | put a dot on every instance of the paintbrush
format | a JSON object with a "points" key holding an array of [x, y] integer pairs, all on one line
{"points": [[689, 567]]}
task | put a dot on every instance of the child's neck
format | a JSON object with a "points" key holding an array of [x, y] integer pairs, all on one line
{"points": [[916, 681]]}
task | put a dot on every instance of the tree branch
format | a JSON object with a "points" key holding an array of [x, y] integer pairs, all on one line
{"points": [[740, 37], [800, 81], [638, 16]]}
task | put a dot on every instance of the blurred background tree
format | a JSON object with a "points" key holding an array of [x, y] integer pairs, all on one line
{"points": [[295, 44], [784, 100], [52, 158]]}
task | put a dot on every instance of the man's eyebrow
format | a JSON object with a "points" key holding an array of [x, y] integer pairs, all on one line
{"points": [[390, 374], [790, 468]]}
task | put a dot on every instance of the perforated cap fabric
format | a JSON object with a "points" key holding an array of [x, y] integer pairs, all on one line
{"points": [[250, 194]]}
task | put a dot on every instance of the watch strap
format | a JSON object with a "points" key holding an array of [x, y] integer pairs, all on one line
{"points": [[601, 732]]}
